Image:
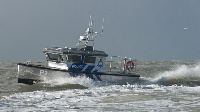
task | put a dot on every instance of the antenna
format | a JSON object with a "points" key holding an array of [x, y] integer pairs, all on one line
{"points": [[96, 33], [90, 35], [91, 21], [102, 25]]}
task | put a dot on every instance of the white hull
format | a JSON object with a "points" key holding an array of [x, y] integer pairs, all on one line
{"points": [[29, 74]]}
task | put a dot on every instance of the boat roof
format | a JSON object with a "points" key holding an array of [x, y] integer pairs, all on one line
{"points": [[78, 50]]}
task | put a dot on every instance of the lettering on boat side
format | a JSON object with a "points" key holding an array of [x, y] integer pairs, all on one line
{"points": [[77, 66], [28, 71], [43, 72]]}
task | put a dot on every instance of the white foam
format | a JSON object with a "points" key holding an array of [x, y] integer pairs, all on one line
{"points": [[113, 97], [180, 72], [105, 97], [62, 80]]}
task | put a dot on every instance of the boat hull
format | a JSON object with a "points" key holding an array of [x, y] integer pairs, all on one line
{"points": [[30, 74]]}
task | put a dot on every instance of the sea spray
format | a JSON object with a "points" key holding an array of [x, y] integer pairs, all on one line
{"points": [[150, 94], [180, 75]]}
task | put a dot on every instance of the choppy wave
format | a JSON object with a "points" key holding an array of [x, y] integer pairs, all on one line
{"points": [[62, 80], [164, 86], [179, 75], [108, 98]]}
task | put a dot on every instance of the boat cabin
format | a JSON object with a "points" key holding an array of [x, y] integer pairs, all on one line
{"points": [[80, 58]]}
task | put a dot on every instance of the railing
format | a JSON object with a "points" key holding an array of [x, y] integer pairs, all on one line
{"points": [[116, 64]]}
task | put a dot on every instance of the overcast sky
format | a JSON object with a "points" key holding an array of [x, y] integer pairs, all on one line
{"points": [[141, 29]]}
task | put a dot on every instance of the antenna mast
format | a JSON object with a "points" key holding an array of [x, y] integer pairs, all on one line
{"points": [[90, 35]]}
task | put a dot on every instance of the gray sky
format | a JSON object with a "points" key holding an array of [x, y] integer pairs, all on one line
{"points": [[142, 29]]}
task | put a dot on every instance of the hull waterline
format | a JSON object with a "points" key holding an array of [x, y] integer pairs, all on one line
{"points": [[30, 74]]}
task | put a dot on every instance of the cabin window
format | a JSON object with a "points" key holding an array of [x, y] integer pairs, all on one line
{"points": [[89, 59], [55, 57], [74, 58]]}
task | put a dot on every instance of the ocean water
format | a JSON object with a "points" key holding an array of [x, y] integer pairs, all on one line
{"points": [[168, 86]]}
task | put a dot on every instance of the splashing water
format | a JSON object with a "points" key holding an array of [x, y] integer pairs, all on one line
{"points": [[62, 80], [60, 93], [180, 75]]}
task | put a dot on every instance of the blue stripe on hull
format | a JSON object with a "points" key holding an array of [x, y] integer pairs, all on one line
{"points": [[98, 77], [80, 67], [75, 74], [77, 66], [89, 68]]}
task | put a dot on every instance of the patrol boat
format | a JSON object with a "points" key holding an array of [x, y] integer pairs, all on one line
{"points": [[81, 61]]}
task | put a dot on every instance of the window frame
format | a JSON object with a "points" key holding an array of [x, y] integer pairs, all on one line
{"points": [[58, 58], [89, 59], [71, 58]]}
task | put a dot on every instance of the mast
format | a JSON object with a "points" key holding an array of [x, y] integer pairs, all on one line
{"points": [[90, 35]]}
